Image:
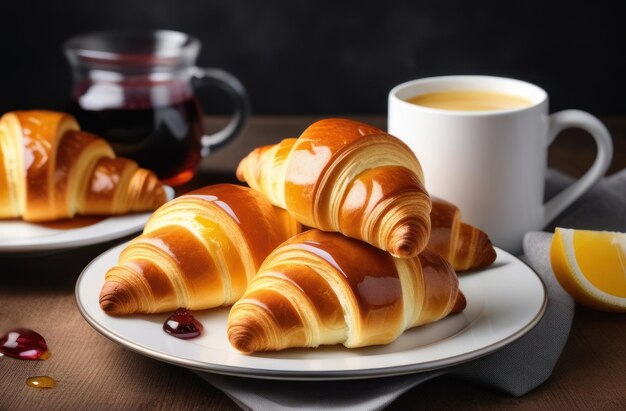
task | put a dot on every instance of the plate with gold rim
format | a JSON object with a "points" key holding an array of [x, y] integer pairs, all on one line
{"points": [[504, 302], [20, 237]]}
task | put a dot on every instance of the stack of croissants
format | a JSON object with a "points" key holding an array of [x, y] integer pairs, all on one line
{"points": [[335, 241]]}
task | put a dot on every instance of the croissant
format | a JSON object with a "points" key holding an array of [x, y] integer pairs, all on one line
{"points": [[465, 246], [342, 175], [324, 288], [49, 170], [197, 251]]}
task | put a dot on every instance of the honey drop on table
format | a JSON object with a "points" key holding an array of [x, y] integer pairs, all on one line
{"points": [[182, 325], [24, 344], [41, 382]]}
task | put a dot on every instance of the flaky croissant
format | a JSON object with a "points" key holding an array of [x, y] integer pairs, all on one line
{"points": [[346, 176], [465, 246], [324, 288], [49, 170], [197, 251]]}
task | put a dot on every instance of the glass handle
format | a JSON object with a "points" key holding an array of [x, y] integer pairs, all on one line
{"points": [[229, 83]]}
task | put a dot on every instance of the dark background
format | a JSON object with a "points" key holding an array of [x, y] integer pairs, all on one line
{"points": [[334, 57]]}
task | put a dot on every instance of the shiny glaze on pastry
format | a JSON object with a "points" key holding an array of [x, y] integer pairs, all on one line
{"points": [[465, 246], [197, 251], [346, 176], [324, 288], [51, 170]]}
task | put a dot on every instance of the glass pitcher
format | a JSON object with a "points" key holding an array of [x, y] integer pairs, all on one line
{"points": [[136, 89]]}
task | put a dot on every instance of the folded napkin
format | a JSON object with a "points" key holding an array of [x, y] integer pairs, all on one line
{"points": [[601, 208], [515, 369]]}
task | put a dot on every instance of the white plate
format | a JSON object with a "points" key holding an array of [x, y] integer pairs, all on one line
{"points": [[18, 237], [504, 302]]}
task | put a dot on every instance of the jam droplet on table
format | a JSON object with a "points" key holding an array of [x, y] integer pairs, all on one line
{"points": [[41, 382], [183, 325], [24, 344]]}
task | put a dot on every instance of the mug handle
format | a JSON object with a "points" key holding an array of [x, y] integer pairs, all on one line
{"points": [[580, 119], [236, 90]]}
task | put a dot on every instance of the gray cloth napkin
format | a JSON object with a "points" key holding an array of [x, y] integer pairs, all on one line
{"points": [[601, 208], [515, 369]]}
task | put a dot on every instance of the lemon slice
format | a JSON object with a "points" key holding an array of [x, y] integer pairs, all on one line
{"points": [[591, 267]]}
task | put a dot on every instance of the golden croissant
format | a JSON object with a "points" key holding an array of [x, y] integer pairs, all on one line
{"points": [[465, 246], [49, 170], [324, 288], [197, 251], [346, 176]]}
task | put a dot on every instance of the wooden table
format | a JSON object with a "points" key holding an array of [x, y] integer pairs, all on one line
{"points": [[95, 373]]}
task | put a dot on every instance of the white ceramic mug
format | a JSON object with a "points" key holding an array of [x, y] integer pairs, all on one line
{"points": [[492, 164]]}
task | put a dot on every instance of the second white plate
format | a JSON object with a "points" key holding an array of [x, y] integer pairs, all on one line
{"points": [[504, 302], [20, 237]]}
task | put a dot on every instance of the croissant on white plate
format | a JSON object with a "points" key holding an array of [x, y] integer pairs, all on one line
{"points": [[51, 170], [197, 251], [465, 246], [324, 288], [350, 177]]}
